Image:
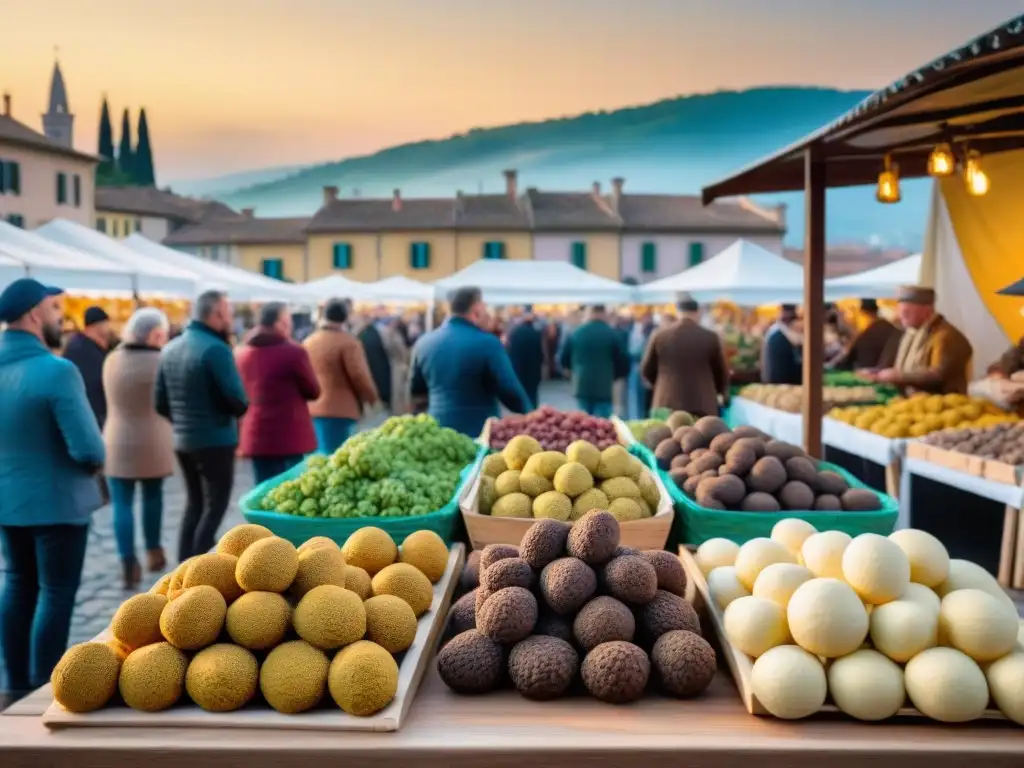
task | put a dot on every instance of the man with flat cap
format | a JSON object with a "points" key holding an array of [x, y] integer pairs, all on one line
{"points": [[873, 348], [50, 451], [932, 356]]}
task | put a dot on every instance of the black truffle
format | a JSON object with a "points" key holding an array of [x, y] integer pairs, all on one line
{"points": [[828, 503], [723, 442], [481, 597], [469, 579], [860, 500], [692, 440], [656, 434], [552, 624], [760, 502], [567, 584], [746, 430], [684, 663], [708, 461], [671, 575], [796, 496], [631, 579], [802, 469], [755, 444], [740, 459], [689, 486], [543, 543], [594, 537], [510, 572], [768, 475], [782, 451], [667, 612], [680, 461], [462, 615], [508, 615], [542, 668], [603, 620], [621, 551], [471, 663], [616, 672], [492, 553], [831, 483], [711, 427], [667, 450]]}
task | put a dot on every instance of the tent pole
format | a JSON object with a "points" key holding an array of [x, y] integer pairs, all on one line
{"points": [[814, 296]]}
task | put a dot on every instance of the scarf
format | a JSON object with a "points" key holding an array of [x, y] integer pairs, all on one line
{"points": [[912, 353]]}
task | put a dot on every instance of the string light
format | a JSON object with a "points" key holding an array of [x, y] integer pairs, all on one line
{"points": [[889, 183], [941, 161], [975, 178]]}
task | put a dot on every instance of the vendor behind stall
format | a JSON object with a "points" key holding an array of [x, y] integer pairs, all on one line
{"points": [[933, 356], [874, 347]]}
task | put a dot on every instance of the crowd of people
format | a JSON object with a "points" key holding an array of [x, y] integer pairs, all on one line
{"points": [[120, 417]]}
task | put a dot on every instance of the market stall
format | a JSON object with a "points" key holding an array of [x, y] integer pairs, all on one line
{"points": [[538, 283], [877, 283], [336, 286]]}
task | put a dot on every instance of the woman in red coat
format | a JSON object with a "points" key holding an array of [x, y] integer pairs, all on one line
{"points": [[277, 431]]}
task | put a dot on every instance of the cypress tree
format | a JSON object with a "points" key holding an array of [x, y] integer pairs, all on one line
{"points": [[106, 143], [125, 160], [142, 161]]}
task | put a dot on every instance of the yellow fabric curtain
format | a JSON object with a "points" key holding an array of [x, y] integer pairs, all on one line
{"points": [[990, 231]]}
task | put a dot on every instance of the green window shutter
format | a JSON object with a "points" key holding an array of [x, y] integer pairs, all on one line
{"points": [[420, 255], [14, 179], [101, 224], [342, 256], [579, 254], [138, 225], [494, 249], [113, 228], [77, 189], [16, 220], [5, 176], [649, 258], [696, 253], [62, 189], [273, 268]]}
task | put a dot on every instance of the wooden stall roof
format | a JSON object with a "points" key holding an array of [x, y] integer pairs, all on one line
{"points": [[974, 92]]}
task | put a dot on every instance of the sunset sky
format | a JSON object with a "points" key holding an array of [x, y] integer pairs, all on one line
{"points": [[243, 84]]}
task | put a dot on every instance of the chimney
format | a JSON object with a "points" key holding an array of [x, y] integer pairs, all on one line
{"points": [[7, 105], [596, 189], [396, 200], [617, 183], [248, 212], [330, 195], [511, 183]]}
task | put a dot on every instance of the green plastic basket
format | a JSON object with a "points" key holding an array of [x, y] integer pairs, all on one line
{"points": [[297, 529], [698, 524]]}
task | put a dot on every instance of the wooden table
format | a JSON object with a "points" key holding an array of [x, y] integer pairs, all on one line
{"points": [[506, 731]]}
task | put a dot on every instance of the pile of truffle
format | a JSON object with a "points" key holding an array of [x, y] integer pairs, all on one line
{"points": [[570, 610], [1003, 443], [746, 470]]}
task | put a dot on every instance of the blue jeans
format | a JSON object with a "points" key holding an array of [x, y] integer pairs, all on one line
{"points": [[43, 567], [598, 408], [266, 467], [122, 496], [332, 432]]}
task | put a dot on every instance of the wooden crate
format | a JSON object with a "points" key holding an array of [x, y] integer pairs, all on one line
{"points": [[1000, 472], [958, 462], [326, 717], [741, 665]]}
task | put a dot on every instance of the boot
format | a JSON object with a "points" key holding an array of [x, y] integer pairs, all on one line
{"points": [[156, 561], [131, 574]]}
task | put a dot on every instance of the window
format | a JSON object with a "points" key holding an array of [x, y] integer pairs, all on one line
{"points": [[62, 188], [101, 224], [419, 255], [274, 268], [696, 253], [16, 219], [342, 256], [114, 228], [138, 225], [10, 177], [648, 258], [579, 254], [77, 189], [494, 250]]}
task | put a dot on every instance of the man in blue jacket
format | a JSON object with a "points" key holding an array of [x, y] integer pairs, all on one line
{"points": [[464, 372], [50, 451], [199, 391]]}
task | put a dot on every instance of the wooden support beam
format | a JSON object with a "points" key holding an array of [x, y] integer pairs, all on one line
{"points": [[814, 296]]}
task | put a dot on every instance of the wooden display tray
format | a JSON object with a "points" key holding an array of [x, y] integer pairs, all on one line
{"points": [[651, 533], [326, 717], [741, 665], [989, 469]]}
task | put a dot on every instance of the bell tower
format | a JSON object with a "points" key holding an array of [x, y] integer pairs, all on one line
{"points": [[58, 122]]}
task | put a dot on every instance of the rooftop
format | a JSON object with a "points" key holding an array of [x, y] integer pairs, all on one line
{"points": [[19, 134], [241, 229], [150, 201]]}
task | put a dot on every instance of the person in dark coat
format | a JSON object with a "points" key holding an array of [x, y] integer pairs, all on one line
{"points": [[462, 371], [277, 430], [87, 350], [873, 348], [378, 360], [781, 357], [685, 364], [595, 357], [526, 351], [199, 390]]}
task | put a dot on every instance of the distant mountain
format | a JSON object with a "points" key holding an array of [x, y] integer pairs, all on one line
{"points": [[224, 185], [672, 146]]}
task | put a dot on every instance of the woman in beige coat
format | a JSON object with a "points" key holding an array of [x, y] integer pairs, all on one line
{"points": [[139, 442]]}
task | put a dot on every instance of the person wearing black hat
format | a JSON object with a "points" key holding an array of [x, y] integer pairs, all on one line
{"points": [[874, 347], [88, 349], [50, 451]]}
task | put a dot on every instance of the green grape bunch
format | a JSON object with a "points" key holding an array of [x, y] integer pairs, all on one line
{"points": [[408, 466]]}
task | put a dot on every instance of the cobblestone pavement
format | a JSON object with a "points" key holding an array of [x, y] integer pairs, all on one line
{"points": [[100, 592]]}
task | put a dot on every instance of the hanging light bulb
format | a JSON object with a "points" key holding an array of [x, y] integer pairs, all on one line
{"points": [[889, 183], [976, 179], [941, 161]]}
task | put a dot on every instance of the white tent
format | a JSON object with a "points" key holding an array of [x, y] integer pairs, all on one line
{"points": [[240, 284], [877, 283], [151, 276], [401, 290], [336, 286], [25, 254], [537, 282], [744, 273]]}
